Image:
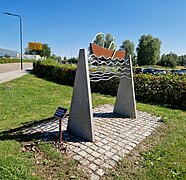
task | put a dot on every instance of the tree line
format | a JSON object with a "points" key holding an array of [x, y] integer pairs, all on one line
{"points": [[147, 51]]}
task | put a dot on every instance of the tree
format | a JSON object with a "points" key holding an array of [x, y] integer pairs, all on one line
{"points": [[148, 50], [128, 46], [45, 52], [108, 40], [53, 56], [58, 58], [168, 60], [72, 60], [65, 58], [105, 41], [7, 56], [181, 60]]}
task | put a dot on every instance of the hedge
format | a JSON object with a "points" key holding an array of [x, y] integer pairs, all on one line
{"points": [[62, 74], [169, 90], [9, 60]]}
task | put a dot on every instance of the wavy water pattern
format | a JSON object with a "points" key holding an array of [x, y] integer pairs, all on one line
{"points": [[105, 69], [110, 63], [103, 57]]}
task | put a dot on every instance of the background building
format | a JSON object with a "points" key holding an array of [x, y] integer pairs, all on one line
{"points": [[9, 53]]}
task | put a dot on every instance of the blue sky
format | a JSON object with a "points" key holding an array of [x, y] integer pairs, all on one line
{"points": [[69, 25]]}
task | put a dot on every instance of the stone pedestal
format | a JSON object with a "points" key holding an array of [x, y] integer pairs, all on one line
{"points": [[125, 101], [80, 120]]}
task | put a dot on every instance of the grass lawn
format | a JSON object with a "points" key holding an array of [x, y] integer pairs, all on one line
{"points": [[30, 99], [161, 67]]}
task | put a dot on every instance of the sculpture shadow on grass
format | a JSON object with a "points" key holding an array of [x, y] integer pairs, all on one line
{"points": [[35, 131], [47, 130]]}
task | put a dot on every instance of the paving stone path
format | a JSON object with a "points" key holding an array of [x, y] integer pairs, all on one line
{"points": [[115, 137]]}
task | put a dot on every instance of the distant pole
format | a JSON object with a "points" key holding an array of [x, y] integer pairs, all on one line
{"points": [[21, 38]]}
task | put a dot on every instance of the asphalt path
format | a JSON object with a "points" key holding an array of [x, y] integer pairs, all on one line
{"points": [[11, 71], [14, 66]]}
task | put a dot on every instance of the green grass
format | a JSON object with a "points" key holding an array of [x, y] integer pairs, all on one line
{"points": [[172, 162], [66, 167], [10, 60], [14, 164], [30, 99], [161, 67]]}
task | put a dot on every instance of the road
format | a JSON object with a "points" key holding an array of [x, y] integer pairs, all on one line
{"points": [[11, 71], [14, 66]]}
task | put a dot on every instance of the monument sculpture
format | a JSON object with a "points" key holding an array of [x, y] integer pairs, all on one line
{"points": [[101, 65]]}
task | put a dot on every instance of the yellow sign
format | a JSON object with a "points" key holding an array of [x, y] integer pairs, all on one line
{"points": [[35, 45]]}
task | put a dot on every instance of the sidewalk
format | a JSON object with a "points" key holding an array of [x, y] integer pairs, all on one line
{"points": [[11, 71]]}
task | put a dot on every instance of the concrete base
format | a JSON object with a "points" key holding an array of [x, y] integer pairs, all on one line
{"points": [[125, 101], [80, 120]]}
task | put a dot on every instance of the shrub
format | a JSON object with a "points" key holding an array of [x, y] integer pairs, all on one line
{"points": [[106, 87], [169, 90], [59, 73], [9, 60]]}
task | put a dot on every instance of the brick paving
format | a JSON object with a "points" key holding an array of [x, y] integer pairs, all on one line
{"points": [[115, 137]]}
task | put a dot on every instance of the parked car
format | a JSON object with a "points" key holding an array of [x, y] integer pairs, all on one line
{"points": [[178, 72], [149, 70], [160, 71], [174, 71], [182, 72], [138, 70]]}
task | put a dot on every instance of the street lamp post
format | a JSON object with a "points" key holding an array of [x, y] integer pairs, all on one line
{"points": [[21, 39]]}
